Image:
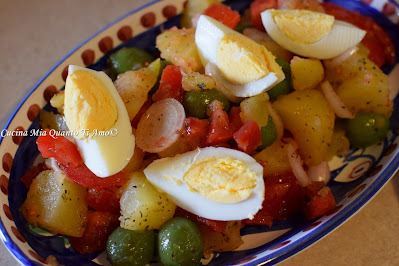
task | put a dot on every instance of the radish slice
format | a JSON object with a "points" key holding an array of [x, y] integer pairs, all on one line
{"points": [[296, 164], [320, 172], [335, 102], [160, 125]]}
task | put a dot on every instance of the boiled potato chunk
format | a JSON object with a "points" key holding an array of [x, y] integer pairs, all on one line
{"points": [[133, 86], [274, 159], [307, 115], [143, 207], [306, 73], [178, 47], [255, 108], [197, 81], [56, 204], [360, 84]]}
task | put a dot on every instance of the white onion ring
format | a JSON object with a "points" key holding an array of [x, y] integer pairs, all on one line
{"points": [[160, 126], [335, 102], [296, 164], [339, 59], [320, 172]]}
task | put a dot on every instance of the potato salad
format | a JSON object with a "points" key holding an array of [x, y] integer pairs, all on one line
{"points": [[232, 124]]}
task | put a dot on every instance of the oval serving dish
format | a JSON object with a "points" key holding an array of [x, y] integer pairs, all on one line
{"points": [[356, 177]]}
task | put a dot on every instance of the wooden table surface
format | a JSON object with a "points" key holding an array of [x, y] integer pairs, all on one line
{"points": [[35, 35]]}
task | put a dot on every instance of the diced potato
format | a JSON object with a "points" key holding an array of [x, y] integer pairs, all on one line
{"points": [[306, 73], [143, 207], [56, 204], [178, 47], [133, 86], [57, 101], [274, 159], [193, 8], [360, 84], [309, 118], [197, 81], [136, 162], [229, 240], [255, 108], [339, 144]]}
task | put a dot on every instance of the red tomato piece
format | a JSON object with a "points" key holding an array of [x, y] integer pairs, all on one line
{"points": [[283, 199], [170, 84], [213, 225], [219, 128], [318, 200], [257, 7], [63, 150], [235, 118], [106, 200], [223, 14], [84, 177], [248, 137], [99, 226], [195, 131]]}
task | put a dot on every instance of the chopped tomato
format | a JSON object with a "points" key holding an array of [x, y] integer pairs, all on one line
{"points": [[170, 84], [219, 129], [142, 110], [376, 40], [84, 177], [101, 199], [282, 199], [257, 7], [223, 14], [63, 150], [318, 200], [248, 137], [195, 131], [213, 225], [235, 118], [99, 226]]}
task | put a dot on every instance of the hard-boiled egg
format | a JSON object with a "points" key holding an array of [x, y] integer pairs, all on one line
{"points": [[215, 183], [96, 115], [309, 33], [245, 67]]}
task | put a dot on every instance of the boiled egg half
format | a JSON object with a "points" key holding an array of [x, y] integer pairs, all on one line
{"points": [[243, 66], [98, 119], [214, 183], [310, 34]]}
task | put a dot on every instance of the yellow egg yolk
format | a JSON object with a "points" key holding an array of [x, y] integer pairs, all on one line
{"points": [[221, 179], [88, 103], [303, 26], [241, 60]]}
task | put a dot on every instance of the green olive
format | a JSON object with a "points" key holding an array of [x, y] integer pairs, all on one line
{"points": [[285, 86], [269, 134], [180, 242], [128, 58], [366, 129], [195, 102], [127, 247]]}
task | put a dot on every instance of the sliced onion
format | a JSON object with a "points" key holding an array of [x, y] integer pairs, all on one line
{"points": [[296, 164], [335, 102], [160, 126], [344, 56], [320, 172], [212, 71]]}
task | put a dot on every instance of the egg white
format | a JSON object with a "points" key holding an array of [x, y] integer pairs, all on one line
{"points": [[342, 36], [167, 175], [107, 155], [208, 34]]}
